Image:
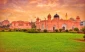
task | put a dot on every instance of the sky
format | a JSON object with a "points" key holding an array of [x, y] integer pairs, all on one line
{"points": [[29, 10]]}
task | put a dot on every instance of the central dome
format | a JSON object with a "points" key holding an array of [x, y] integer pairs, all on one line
{"points": [[56, 16]]}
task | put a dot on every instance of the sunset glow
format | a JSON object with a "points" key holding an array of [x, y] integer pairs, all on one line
{"points": [[27, 10]]}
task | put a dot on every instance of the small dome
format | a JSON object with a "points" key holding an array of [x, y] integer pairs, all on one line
{"points": [[77, 17], [37, 19], [56, 16]]}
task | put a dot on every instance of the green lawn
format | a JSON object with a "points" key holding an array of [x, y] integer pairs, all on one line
{"points": [[40, 42]]}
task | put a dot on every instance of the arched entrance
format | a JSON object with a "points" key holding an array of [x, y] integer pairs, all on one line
{"points": [[64, 26], [54, 28]]}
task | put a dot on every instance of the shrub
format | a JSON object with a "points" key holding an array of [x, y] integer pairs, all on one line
{"points": [[84, 37], [32, 31], [3, 30], [76, 29], [16, 30], [66, 31], [39, 30], [60, 30], [10, 30], [24, 30], [56, 30], [70, 30], [83, 29], [44, 30]]}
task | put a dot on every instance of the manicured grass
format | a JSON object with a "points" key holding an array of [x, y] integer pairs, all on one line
{"points": [[41, 42]]}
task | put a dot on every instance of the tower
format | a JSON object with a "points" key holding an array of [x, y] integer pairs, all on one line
{"points": [[37, 20]]}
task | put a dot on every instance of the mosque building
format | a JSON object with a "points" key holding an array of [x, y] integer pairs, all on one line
{"points": [[57, 23]]}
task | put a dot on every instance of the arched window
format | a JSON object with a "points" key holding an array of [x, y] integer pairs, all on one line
{"points": [[64, 26], [42, 27]]}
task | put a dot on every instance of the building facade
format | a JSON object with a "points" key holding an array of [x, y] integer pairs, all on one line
{"points": [[57, 23], [20, 25], [15, 25]]}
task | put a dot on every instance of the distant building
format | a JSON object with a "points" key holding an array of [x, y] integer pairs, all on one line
{"points": [[20, 25], [4, 24], [57, 23], [15, 24]]}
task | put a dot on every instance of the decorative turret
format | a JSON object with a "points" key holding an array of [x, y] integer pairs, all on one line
{"points": [[49, 17], [37, 19], [56, 16], [78, 18]]}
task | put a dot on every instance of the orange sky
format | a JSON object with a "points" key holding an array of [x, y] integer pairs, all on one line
{"points": [[27, 10]]}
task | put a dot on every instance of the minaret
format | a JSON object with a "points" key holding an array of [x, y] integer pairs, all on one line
{"points": [[49, 17], [66, 16]]}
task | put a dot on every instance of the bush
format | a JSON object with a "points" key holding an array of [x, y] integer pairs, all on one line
{"points": [[60, 30], [70, 30], [66, 31], [83, 29], [33, 31], [56, 30], [39, 30], [23, 30], [76, 29], [3, 30], [84, 37], [10, 30], [17, 30], [45, 30]]}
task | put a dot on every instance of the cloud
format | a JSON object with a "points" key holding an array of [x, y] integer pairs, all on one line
{"points": [[41, 8], [46, 5], [3, 1]]}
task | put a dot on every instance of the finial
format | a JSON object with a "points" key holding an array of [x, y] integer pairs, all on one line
{"points": [[66, 16]]}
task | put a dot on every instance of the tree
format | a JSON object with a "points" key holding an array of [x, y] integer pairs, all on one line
{"points": [[83, 30], [33, 25], [84, 37]]}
